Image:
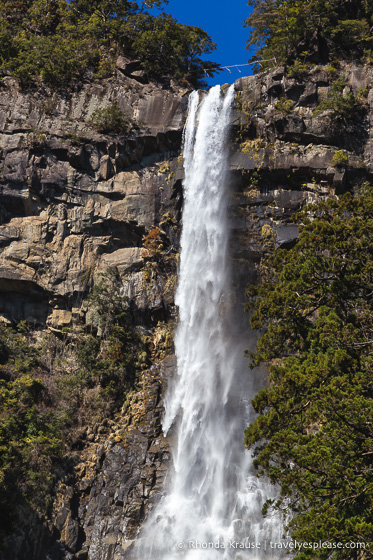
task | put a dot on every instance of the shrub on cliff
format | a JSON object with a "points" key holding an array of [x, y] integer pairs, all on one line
{"points": [[340, 159], [314, 431], [109, 119], [342, 107], [284, 106]]}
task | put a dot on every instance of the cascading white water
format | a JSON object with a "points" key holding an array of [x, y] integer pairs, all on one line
{"points": [[212, 499]]}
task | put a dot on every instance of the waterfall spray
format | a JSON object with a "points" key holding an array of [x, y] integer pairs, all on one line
{"points": [[212, 500]]}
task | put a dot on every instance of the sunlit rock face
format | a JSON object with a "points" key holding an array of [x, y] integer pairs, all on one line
{"points": [[76, 202]]}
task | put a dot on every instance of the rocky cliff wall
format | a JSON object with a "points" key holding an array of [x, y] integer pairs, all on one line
{"points": [[76, 203]]}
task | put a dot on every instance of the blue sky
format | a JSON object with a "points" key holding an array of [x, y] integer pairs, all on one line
{"points": [[223, 21]]}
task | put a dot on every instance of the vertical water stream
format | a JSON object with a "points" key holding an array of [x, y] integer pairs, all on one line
{"points": [[212, 497]]}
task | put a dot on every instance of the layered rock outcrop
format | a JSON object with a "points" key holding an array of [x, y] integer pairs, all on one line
{"points": [[75, 203]]}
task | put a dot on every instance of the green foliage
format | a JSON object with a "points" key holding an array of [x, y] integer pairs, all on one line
{"points": [[313, 434], [368, 56], [30, 439], [54, 60], [316, 30], [363, 92], [51, 388], [121, 353], [58, 43], [297, 70], [168, 47], [340, 159], [331, 72], [284, 106], [341, 107], [109, 119]]}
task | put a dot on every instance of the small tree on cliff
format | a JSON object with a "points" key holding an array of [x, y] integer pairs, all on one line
{"points": [[314, 431]]}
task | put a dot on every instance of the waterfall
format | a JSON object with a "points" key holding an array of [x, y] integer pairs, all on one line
{"points": [[213, 499]]}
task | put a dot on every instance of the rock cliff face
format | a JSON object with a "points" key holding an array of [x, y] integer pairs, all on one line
{"points": [[75, 203]]}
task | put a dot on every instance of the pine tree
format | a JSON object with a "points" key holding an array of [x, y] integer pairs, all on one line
{"points": [[314, 431]]}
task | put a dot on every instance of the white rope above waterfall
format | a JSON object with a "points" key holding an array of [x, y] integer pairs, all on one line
{"points": [[238, 66]]}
